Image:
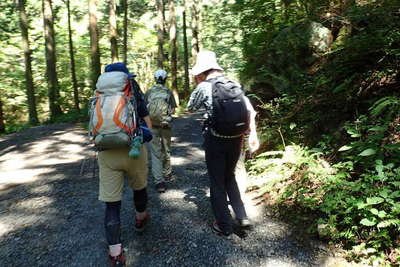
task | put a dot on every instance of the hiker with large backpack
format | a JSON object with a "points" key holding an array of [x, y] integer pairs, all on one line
{"points": [[161, 105], [229, 115], [119, 125]]}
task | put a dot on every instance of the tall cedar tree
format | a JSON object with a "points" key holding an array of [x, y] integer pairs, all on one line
{"points": [[94, 43], [2, 125], [51, 61], [125, 40], [173, 50], [185, 51], [72, 57], [195, 28], [113, 31], [160, 33], [30, 88]]}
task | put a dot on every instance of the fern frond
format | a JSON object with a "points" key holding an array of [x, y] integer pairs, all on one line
{"points": [[379, 106]]}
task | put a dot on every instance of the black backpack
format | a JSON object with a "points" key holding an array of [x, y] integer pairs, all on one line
{"points": [[230, 116]]}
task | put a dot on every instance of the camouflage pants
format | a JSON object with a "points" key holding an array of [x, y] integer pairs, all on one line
{"points": [[160, 154]]}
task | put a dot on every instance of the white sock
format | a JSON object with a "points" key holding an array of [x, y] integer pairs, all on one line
{"points": [[115, 250]]}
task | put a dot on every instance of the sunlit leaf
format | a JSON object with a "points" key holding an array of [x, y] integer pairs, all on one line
{"points": [[374, 200], [367, 222], [361, 205], [367, 152], [356, 135], [345, 148], [374, 211], [382, 214], [388, 223], [395, 194], [377, 129]]}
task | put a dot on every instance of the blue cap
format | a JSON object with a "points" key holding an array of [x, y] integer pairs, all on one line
{"points": [[119, 66]]}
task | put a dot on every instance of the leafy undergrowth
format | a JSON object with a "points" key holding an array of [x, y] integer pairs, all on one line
{"points": [[358, 212], [68, 117]]}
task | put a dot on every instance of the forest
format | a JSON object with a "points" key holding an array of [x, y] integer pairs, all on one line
{"points": [[323, 75]]}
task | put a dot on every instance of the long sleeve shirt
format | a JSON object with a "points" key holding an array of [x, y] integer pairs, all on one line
{"points": [[201, 97]]}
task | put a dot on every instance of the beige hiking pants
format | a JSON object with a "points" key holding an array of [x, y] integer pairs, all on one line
{"points": [[160, 154]]}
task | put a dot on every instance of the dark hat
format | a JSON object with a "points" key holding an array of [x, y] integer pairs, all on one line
{"points": [[119, 66]]}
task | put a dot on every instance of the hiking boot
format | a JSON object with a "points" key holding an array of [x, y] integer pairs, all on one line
{"points": [[160, 187], [140, 224], [117, 261], [215, 227], [244, 223]]}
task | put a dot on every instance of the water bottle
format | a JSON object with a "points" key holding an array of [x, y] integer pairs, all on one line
{"points": [[136, 144]]}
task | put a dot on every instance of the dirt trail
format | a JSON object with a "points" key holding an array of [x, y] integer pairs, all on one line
{"points": [[50, 215]]}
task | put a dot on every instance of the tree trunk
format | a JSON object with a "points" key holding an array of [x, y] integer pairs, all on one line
{"points": [[185, 52], [2, 125], [94, 43], [125, 42], [160, 33], [51, 61], [285, 10], [173, 49], [30, 88], [72, 58], [195, 28], [113, 31]]}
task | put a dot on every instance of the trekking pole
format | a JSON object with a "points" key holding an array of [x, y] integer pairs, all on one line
{"points": [[94, 164], [82, 167]]}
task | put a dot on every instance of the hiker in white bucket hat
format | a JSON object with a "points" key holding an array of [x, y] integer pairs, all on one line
{"points": [[229, 115], [206, 60]]}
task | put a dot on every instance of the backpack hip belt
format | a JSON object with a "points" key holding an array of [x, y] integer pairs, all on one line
{"points": [[213, 132]]}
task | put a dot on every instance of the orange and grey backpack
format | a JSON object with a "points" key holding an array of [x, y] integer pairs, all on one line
{"points": [[113, 111]]}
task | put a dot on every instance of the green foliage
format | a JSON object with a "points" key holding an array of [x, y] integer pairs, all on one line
{"points": [[352, 210], [12, 128], [356, 200], [223, 35], [13, 88], [8, 20], [344, 103], [72, 116]]}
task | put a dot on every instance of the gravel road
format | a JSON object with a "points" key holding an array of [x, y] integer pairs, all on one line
{"points": [[50, 215]]}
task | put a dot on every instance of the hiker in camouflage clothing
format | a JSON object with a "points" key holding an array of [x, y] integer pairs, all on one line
{"points": [[161, 105]]}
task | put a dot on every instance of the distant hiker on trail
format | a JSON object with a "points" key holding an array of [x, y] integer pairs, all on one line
{"points": [[229, 115], [118, 120], [161, 105]]}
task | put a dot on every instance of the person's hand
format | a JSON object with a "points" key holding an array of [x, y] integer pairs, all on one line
{"points": [[254, 143]]}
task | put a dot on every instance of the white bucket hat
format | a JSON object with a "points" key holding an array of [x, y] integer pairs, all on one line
{"points": [[205, 60]]}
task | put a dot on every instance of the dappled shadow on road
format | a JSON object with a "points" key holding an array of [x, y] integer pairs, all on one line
{"points": [[28, 154], [56, 220], [48, 204], [23, 141]]}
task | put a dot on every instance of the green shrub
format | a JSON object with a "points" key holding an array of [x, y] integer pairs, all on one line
{"points": [[355, 211]]}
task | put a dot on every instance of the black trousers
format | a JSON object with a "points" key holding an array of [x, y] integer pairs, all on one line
{"points": [[222, 154]]}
